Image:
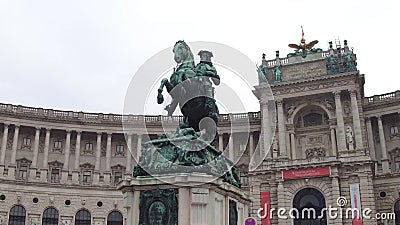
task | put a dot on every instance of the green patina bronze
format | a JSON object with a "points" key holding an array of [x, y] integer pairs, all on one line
{"points": [[191, 147], [158, 207], [278, 73], [262, 75]]}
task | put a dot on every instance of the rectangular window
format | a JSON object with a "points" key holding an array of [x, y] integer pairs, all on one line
{"points": [[119, 150], [397, 164], [55, 176], [22, 173], [26, 141], [58, 144], [117, 177], [89, 147], [244, 180], [87, 177], [394, 130]]}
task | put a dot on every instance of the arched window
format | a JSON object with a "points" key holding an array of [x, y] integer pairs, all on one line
{"points": [[50, 216], [397, 212], [83, 217], [312, 119], [115, 218], [309, 203], [17, 215]]}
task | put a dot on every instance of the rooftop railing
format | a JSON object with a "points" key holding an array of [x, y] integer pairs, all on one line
{"points": [[388, 97], [18, 110]]}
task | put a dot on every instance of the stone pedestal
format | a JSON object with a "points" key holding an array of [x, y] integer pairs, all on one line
{"points": [[183, 198]]}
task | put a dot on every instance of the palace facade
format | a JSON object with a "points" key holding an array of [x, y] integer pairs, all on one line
{"points": [[330, 141]]}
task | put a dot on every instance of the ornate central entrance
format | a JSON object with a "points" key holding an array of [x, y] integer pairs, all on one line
{"points": [[309, 202]]}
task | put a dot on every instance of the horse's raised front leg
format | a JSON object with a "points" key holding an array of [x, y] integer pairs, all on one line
{"points": [[160, 97]]}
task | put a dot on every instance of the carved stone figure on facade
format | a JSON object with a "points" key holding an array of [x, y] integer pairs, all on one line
{"points": [[278, 73], [328, 104], [349, 138], [262, 74], [290, 110], [346, 107]]}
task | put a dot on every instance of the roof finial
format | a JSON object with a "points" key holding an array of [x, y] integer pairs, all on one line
{"points": [[302, 33]]}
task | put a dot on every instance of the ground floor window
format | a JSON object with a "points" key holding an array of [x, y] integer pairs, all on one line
{"points": [[50, 216], [397, 212], [83, 217], [115, 218], [17, 215]]}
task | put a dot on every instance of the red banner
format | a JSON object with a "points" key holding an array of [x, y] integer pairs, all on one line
{"points": [[304, 173], [266, 206], [355, 201]]}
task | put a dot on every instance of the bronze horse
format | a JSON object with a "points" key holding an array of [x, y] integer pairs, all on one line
{"points": [[189, 88]]}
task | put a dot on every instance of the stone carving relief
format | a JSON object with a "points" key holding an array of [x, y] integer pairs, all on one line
{"points": [[103, 149], [316, 152], [290, 108], [73, 147], [346, 108], [9, 143], [41, 144], [329, 104], [301, 88]]}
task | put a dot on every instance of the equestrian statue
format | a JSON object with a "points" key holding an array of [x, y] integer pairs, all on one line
{"points": [[192, 147]]}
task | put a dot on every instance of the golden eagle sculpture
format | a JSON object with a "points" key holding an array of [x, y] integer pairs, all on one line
{"points": [[303, 45]]}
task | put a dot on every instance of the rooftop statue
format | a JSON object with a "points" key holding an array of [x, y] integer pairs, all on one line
{"points": [[185, 150]]}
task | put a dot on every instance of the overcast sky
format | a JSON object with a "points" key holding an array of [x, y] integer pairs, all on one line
{"points": [[81, 55]]}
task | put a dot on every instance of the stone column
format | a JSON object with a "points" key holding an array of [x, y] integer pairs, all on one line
{"points": [[129, 153], [96, 172], [13, 165], [281, 201], [77, 150], [231, 148], [288, 143], [221, 142], [139, 146], [76, 171], [36, 148], [108, 152], [356, 120], [333, 141], [385, 161], [335, 195], [251, 144], [67, 150], [266, 133], [44, 170], [33, 169], [281, 129], [65, 170], [107, 172], [341, 139], [14, 146], [4, 145], [370, 137], [46, 149], [184, 208], [98, 152], [293, 144], [367, 194]]}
